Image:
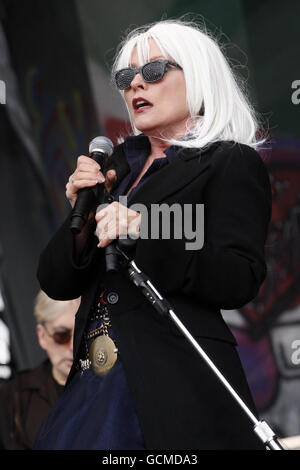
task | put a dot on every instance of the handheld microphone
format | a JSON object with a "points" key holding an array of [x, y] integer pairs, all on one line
{"points": [[100, 149]]}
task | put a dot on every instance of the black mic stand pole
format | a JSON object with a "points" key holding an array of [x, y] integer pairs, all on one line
{"points": [[261, 428]]}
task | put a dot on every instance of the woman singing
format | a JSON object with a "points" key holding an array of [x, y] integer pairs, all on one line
{"points": [[136, 383]]}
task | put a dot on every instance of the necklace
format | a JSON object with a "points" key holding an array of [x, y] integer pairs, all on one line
{"points": [[102, 353]]}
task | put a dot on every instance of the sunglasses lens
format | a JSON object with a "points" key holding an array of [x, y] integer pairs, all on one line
{"points": [[153, 71], [124, 78], [62, 337]]}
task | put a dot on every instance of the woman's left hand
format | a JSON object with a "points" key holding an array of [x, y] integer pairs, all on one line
{"points": [[115, 220]]}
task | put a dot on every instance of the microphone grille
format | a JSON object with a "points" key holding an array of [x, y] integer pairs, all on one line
{"points": [[101, 144]]}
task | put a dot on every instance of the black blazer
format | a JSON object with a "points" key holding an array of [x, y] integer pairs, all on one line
{"points": [[179, 403]]}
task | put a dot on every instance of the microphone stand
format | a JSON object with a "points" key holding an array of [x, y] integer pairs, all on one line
{"points": [[163, 307]]}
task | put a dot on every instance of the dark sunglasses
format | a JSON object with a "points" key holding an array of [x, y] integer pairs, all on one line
{"points": [[60, 337], [151, 72]]}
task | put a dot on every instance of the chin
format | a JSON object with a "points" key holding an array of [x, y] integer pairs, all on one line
{"points": [[143, 127], [149, 129], [145, 123]]}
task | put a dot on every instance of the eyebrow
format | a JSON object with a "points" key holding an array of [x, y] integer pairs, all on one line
{"points": [[150, 60]]}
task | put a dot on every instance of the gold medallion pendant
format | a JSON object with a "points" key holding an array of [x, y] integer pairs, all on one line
{"points": [[103, 354]]}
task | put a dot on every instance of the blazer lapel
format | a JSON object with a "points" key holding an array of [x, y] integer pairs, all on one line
{"points": [[187, 166]]}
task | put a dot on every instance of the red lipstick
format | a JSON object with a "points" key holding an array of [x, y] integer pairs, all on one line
{"points": [[140, 104]]}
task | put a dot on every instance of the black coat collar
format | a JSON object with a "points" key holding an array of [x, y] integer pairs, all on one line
{"points": [[188, 164], [186, 167]]}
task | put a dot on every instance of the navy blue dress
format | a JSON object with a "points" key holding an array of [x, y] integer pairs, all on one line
{"points": [[97, 413]]}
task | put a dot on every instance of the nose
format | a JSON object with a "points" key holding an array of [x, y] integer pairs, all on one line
{"points": [[70, 344], [138, 81]]}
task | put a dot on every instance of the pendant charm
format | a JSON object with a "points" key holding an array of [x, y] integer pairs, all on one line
{"points": [[102, 354]]}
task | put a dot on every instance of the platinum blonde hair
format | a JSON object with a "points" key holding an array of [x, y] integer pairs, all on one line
{"points": [[216, 99], [46, 309]]}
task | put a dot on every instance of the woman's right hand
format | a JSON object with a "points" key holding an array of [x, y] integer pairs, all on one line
{"points": [[87, 174]]}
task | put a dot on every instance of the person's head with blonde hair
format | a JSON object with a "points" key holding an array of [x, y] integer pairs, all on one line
{"points": [[216, 100], [55, 328]]}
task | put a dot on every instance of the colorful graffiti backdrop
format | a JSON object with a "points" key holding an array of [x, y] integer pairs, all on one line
{"points": [[63, 128], [272, 320]]}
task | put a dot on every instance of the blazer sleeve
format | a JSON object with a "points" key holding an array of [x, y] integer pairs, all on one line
{"points": [[60, 275], [230, 268]]}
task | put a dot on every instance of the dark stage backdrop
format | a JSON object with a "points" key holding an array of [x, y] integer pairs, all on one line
{"points": [[47, 121]]}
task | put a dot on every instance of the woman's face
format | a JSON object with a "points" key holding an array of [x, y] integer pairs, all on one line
{"points": [[60, 355], [167, 112]]}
